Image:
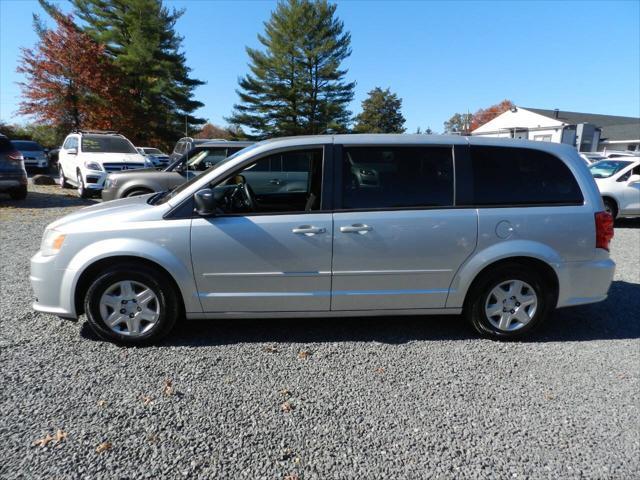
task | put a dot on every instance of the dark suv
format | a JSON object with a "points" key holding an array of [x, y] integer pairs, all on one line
{"points": [[130, 183], [13, 176]]}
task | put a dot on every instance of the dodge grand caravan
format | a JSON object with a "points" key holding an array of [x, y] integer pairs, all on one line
{"points": [[499, 230]]}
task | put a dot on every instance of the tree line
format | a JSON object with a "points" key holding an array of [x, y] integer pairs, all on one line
{"points": [[118, 65]]}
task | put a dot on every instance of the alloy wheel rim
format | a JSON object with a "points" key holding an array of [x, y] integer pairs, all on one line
{"points": [[129, 308], [511, 305]]}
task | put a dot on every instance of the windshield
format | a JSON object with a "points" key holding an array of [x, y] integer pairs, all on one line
{"points": [[607, 168], [165, 196], [152, 151], [27, 146], [106, 144]]}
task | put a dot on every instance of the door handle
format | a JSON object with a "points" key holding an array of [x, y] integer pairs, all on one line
{"points": [[275, 181], [360, 228], [308, 230]]}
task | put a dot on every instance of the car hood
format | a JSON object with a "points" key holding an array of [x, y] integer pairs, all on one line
{"points": [[104, 215], [138, 170]]}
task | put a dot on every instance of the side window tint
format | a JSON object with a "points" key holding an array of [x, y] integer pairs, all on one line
{"points": [[72, 142], [397, 177], [519, 176]]}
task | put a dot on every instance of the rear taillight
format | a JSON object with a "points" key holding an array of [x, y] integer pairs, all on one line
{"points": [[16, 156], [604, 229]]}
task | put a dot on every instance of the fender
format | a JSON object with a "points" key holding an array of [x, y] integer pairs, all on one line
{"points": [[179, 269], [469, 270]]}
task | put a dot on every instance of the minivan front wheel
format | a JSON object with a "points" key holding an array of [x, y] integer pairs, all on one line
{"points": [[130, 306], [509, 302]]}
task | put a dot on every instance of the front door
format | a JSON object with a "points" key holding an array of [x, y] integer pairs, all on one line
{"points": [[632, 194], [265, 254], [397, 241]]}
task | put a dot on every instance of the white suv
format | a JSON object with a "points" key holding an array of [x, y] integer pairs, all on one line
{"points": [[87, 157]]}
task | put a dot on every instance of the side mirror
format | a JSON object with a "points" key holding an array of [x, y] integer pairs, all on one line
{"points": [[205, 202], [634, 179], [72, 151]]}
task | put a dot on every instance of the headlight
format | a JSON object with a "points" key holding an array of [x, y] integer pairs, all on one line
{"points": [[51, 242], [92, 166]]}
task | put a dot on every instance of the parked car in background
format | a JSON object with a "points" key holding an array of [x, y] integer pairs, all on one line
{"points": [[384, 225], [13, 176], [53, 158], [618, 180], [186, 144], [86, 157], [131, 183], [591, 157], [157, 157], [33, 153], [620, 153]]}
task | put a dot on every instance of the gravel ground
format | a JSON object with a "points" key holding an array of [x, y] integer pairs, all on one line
{"points": [[332, 398]]}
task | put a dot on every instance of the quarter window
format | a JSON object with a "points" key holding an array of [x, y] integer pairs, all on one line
{"points": [[397, 177], [519, 176], [71, 142]]}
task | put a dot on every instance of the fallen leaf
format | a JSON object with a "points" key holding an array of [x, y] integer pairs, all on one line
{"points": [[60, 435], [285, 392], [621, 376], [44, 441], [146, 400], [102, 403], [379, 370], [270, 349], [291, 476], [168, 387], [287, 407], [153, 438], [549, 396], [103, 447], [304, 354]]}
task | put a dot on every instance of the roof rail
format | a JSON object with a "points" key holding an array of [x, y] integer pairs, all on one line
{"points": [[101, 132]]}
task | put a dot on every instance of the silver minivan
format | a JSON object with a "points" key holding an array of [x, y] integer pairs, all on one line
{"points": [[501, 231]]}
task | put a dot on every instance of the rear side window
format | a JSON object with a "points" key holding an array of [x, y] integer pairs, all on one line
{"points": [[397, 177], [518, 176]]}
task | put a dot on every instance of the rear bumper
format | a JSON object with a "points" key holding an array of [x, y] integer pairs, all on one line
{"points": [[584, 282], [11, 181]]}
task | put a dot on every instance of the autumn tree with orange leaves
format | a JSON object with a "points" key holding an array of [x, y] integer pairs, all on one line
{"points": [[70, 82], [485, 115]]}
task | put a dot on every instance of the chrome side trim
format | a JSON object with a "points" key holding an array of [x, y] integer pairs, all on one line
{"points": [[267, 274], [388, 272], [262, 294], [389, 292]]}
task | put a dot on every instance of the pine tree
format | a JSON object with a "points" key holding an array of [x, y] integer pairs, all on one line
{"points": [[296, 85], [381, 113], [140, 37]]}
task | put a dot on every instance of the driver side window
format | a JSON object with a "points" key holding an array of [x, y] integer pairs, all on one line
{"points": [[280, 183]]}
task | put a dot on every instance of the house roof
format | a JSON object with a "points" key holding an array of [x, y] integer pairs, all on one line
{"points": [[613, 127]]}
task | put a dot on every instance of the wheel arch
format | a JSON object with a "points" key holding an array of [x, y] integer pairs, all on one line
{"points": [[92, 270], [526, 253]]}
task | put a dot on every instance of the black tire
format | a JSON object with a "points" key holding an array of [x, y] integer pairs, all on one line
{"points": [[18, 193], [62, 180], [479, 296], [611, 207], [137, 192], [82, 190], [155, 280]]}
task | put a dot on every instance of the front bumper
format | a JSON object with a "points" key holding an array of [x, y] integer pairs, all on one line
{"points": [[36, 163], [585, 282], [48, 282]]}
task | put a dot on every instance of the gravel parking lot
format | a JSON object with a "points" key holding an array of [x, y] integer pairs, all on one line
{"points": [[330, 398]]}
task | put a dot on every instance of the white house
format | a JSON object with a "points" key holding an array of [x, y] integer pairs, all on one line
{"points": [[588, 132]]}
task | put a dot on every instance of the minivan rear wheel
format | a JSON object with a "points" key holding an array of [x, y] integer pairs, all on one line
{"points": [[509, 302], [132, 306]]}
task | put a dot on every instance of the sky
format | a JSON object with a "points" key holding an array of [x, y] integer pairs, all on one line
{"points": [[439, 57]]}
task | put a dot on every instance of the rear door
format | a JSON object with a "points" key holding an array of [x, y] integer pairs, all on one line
{"points": [[398, 238]]}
